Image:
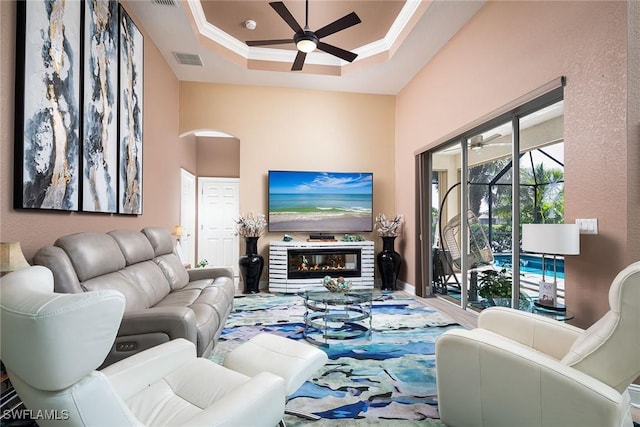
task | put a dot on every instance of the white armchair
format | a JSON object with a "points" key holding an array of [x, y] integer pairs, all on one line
{"points": [[521, 369], [52, 343]]}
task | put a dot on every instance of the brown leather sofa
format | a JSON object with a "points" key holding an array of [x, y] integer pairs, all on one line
{"points": [[164, 301]]}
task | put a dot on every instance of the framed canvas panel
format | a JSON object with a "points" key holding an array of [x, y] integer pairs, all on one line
{"points": [[48, 109], [100, 119], [131, 97]]}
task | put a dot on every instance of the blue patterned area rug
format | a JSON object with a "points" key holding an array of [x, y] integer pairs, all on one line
{"points": [[386, 380]]}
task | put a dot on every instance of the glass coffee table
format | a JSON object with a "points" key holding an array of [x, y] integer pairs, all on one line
{"points": [[335, 315]]}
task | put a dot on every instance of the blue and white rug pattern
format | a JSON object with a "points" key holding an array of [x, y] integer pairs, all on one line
{"points": [[383, 380]]}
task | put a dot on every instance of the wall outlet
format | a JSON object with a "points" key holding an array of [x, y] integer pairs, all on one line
{"points": [[588, 226]]}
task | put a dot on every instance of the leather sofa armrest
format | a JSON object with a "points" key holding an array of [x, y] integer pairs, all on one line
{"points": [[209, 273], [541, 333], [502, 382], [175, 321]]}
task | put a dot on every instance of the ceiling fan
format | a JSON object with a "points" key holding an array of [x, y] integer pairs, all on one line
{"points": [[478, 142], [306, 40]]}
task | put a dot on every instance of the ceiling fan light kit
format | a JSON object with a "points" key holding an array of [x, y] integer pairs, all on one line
{"points": [[306, 40]]}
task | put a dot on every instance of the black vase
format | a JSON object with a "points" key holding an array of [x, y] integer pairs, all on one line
{"points": [[251, 265], [389, 262]]}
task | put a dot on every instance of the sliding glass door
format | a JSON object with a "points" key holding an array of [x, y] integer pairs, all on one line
{"points": [[476, 204], [541, 191], [489, 217], [445, 206]]}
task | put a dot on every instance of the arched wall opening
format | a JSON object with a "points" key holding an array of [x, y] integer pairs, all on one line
{"points": [[216, 160], [217, 153]]}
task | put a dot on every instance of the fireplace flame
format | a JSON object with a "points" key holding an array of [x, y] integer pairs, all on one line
{"points": [[316, 267]]}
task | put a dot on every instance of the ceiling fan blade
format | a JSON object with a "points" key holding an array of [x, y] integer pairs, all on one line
{"points": [[268, 42], [299, 61], [284, 13], [336, 51], [345, 22]]}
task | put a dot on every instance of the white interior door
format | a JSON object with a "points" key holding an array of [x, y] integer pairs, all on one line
{"points": [[219, 207], [188, 217]]}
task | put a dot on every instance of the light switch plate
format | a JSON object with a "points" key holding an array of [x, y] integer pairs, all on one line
{"points": [[588, 226]]}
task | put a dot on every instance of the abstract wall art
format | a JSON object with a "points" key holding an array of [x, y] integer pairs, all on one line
{"points": [[131, 97], [47, 130], [100, 120]]}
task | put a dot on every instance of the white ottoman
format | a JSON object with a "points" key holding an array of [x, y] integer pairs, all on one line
{"points": [[294, 361]]}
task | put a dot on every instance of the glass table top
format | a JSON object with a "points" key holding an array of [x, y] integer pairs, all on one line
{"points": [[356, 296]]}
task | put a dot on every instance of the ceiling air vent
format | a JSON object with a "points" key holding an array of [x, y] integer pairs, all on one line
{"points": [[170, 3], [188, 58]]}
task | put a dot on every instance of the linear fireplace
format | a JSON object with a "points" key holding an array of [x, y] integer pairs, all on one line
{"points": [[298, 265], [320, 262]]}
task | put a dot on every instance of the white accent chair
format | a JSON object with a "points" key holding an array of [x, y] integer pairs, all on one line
{"points": [[52, 344], [522, 369]]}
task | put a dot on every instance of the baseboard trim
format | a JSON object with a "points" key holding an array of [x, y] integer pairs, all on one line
{"points": [[408, 288], [634, 392]]}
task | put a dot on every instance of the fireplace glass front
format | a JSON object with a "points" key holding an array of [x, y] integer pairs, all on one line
{"points": [[311, 263]]}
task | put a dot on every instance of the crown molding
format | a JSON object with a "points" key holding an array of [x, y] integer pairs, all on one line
{"points": [[216, 35]]}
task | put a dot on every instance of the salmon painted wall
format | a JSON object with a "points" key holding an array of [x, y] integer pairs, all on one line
{"points": [[163, 155], [218, 157], [507, 50], [293, 129]]}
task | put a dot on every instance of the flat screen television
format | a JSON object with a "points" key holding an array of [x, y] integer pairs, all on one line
{"points": [[320, 202]]}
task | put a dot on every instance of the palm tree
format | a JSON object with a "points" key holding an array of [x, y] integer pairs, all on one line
{"points": [[543, 199]]}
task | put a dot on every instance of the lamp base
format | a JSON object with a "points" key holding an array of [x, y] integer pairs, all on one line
{"points": [[545, 306]]}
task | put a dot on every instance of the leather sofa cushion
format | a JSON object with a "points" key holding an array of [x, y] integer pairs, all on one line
{"points": [[135, 299], [171, 266], [65, 277], [92, 254], [173, 270], [160, 239], [211, 303], [134, 246], [148, 277]]}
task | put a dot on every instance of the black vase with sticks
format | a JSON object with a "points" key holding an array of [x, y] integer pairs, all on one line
{"points": [[251, 227], [251, 265], [389, 261]]}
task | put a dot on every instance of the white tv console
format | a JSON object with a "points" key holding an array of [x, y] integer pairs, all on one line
{"points": [[279, 277]]}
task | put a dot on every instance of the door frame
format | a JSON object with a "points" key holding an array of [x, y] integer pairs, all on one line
{"points": [[188, 216]]}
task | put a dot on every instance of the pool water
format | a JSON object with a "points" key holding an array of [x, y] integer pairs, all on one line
{"points": [[532, 264]]}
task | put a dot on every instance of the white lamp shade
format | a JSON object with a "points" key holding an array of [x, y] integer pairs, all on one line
{"points": [[11, 257], [551, 239]]}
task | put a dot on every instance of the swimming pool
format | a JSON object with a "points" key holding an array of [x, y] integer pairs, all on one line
{"points": [[532, 264]]}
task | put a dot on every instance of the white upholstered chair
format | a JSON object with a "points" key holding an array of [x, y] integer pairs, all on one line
{"points": [[521, 369], [52, 344]]}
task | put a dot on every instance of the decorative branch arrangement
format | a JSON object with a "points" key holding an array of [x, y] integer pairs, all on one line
{"points": [[251, 225], [389, 228]]}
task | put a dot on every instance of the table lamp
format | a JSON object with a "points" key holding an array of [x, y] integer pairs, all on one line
{"points": [[550, 239], [177, 231], [11, 257]]}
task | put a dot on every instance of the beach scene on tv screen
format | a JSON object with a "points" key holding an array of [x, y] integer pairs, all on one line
{"points": [[320, 201]]}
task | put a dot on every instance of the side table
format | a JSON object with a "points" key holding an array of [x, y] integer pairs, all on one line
{"points": [[561, 316]]}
